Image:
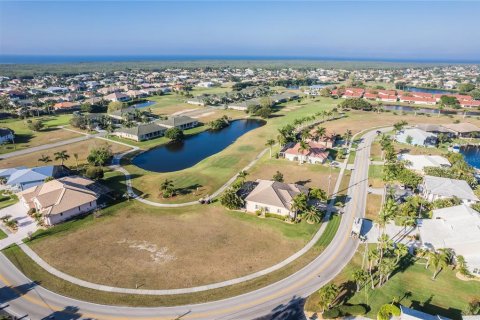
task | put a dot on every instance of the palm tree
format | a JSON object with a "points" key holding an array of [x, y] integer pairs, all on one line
{"points": [[167, 187], [62, 156], [441, 260], [348, 135], [327, 295], [242, 175], [299, 203], [303, 146], [313, 215], [270, 143], [360, 277], [45, 159], [320, 133], [305, 135], [401, 250], [75, 155]]}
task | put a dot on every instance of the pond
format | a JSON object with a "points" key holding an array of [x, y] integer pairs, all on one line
{"points": [[143, 104], [195, 148], [428, 110], [471, 155], [427, 90]]}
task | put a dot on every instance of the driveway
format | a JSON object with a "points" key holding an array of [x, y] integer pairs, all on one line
{"points": [[26, 224]]}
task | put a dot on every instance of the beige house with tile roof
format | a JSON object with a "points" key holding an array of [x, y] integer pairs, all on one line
{"points": [[61, 199], [273, 197]]}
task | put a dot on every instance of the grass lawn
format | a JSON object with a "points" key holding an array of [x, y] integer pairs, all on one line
{"points": [[81, 148], [7, 200], [3, 235], [376, 151], [374, 204], [413, 287], [25, 138], [168, 248], [310, 175], [36, 273], [375, 176]]}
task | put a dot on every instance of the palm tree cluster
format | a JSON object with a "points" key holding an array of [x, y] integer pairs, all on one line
{"points": [[327, 296], [168, 188], [384, 260], [438, 260], [301, 203]]}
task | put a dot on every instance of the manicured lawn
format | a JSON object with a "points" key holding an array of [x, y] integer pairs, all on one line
{"points": [[413, 287], [375, 175], [310, 175], [25, 138], [81, 148], [7, 200]]}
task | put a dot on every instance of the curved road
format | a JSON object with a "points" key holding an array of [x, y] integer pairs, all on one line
{"points": [[35, 302]]}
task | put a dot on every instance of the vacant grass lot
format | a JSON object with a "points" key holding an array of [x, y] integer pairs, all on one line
{"points": [[36, 273], [413, 287], [26, 138], [310, 175], [81, 148], [168, 248]]}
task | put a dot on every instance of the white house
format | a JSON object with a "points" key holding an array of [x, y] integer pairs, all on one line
{"points": [[457, 228], [442, 188], [60, 200], [419, 162], [416, 137], [273, 197]]}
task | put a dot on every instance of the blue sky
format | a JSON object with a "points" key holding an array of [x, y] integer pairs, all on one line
{"points": [[379, 29]]}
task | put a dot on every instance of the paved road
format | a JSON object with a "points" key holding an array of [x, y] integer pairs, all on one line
{"points": [[277, 298]]}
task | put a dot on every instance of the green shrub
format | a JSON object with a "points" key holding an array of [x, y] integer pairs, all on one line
{"points": [[352, 310], [275, 216], [94, 173], [331, 313]]}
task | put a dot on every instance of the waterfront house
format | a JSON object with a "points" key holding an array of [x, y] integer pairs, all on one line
{"points": [[61, 199], [463, 129], [419, 162], [273, 197], [181, 122], [416, 137], [141, 132], [456, 228], [117, 97], [434, 188]]}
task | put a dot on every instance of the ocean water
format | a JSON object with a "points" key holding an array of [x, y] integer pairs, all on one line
{"points": [[49, 59]]}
